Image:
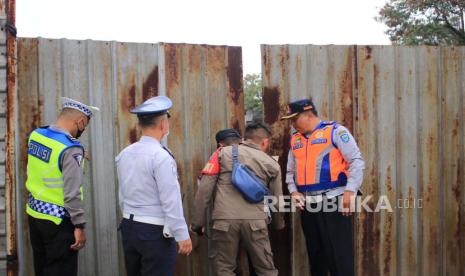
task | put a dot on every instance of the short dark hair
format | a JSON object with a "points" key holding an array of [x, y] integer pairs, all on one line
{"points": [[230, 141], [149, 120], [71, 112], [257, 132]]}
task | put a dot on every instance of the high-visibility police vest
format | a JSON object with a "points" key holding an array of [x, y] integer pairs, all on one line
{"points": [[319, 164], [44, 176]]}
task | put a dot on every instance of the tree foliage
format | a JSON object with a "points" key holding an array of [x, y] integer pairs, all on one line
{"points": [[253, 92], [424, 22]]}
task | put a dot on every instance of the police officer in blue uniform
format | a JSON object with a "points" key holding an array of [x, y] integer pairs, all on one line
{"points": [[150, 197]]}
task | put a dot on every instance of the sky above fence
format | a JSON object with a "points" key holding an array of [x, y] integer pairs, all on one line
{"points": [[246, 23]]}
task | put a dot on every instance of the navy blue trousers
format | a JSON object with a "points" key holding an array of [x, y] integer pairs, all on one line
{"points": [[146, 251]]}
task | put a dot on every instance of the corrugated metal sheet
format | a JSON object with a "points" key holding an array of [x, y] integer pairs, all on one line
{"points": [[3, 126], [405, 106], [205, 83]]}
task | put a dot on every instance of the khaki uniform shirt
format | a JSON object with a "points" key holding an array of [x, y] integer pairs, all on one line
{"points": [[228, 201]]}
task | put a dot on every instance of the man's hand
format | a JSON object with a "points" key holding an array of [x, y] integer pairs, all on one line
{"points": [[185, 247], [80, 239], [299, 200], [86, 155], [348, 200]]}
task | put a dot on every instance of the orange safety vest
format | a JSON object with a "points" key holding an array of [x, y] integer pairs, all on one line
{"points": [[319, 163]]}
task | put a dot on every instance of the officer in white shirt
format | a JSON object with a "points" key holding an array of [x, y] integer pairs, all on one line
{"points": [[150, 197]]}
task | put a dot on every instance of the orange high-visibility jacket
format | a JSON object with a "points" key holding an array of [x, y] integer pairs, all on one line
{"points": [[319, 163]]}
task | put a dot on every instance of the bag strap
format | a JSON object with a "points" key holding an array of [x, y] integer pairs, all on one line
{"points": [[235, 154]]}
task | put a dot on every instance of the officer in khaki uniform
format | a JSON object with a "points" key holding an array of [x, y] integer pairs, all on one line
{"points": [[235, 220]]}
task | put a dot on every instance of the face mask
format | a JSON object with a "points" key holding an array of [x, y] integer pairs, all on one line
{"points": [[79, 132]]}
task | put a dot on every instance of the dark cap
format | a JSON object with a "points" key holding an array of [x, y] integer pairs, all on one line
{"points": [[296, 107], [226, 133]]}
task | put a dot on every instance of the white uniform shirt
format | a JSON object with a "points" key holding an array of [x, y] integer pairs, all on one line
{"points": [[148, 185]]}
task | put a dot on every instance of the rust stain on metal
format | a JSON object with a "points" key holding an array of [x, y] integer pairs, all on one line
{"points": [[194, 56], [387, 244], [346, 85], [10, 183], [234, 73], [284, 58], [237, 126], [368, 241], [368, 51], [375, 85], [371, 231], [271, 104], [215, 61], [172, 63], [266, 62], [150, 86], [355, 50], [128, 100], [388, 227]]}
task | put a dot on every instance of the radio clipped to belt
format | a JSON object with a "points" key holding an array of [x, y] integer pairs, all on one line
{"points": [[249, 185]]}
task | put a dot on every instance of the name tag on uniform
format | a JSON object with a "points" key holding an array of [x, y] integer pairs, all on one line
{"points": [[298, 146], [319, 141], [40, 151]]}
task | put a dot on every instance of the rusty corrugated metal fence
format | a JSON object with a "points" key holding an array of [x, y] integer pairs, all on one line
{"points": [[405, 106], [8, 260], [205, 83], [2, 138]]}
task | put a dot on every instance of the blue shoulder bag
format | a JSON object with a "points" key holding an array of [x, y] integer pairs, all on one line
{"points": [[249, 185]]}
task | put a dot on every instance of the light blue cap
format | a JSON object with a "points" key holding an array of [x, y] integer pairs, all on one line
{"points": [[159, 104]]}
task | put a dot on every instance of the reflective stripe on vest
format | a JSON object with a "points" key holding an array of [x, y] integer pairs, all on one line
{"points": [[44, 176], [46, 208], [319, 164]]}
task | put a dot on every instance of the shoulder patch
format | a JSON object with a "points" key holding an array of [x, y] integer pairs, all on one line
{"points": [[78, 158], [344, 136], [342, 132], [213, 165]]}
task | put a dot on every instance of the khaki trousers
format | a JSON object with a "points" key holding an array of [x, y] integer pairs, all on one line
{"points": [[226, 237]]}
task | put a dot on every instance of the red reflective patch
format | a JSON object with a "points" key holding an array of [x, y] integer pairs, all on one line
{"points": [[213, 165]]}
